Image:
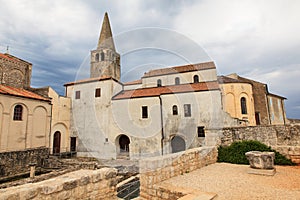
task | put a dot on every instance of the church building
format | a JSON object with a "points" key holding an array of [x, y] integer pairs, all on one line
{"points": [[25, 117], [167, 110]]}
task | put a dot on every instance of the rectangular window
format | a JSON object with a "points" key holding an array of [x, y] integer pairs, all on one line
{"points": [[77, 95], [201, 132], [187, 110], [98, 92], [144, 112]]}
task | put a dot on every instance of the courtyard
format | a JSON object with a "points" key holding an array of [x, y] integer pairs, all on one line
{"points": [[230, 181]]}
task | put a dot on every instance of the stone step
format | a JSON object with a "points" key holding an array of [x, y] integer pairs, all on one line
{"points": [[202, 196]]}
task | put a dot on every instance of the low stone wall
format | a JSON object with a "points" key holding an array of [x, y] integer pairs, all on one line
{"points": [[285, 139], [81, 184], [157, 169], [16, 162]]}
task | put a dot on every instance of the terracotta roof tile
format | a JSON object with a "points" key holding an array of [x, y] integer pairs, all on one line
{"points": [[180, 69], [156, 91], [4, 89], [101, 78], [12, 58], [134, 82]]}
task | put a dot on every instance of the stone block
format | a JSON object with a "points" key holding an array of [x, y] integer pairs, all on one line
{"points": [[110, 173], [261, 160], [84, 180], [265, 172], [29, 193], [51, 187], [70, 184], [97, 177], [64, 195]]}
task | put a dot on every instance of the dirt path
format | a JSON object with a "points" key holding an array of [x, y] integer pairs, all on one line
{"points": [[231, 181]]}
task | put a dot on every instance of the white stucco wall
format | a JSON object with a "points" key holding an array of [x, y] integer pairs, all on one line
{"points": [[132, 87], [187, 77], [91, 117], [99, 122], [145, 133]]}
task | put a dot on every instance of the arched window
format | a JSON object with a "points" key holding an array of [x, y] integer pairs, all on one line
{"points": [[175, 110], [196, 79], [158, 83], [97, 57], [177, 81], [102, 56], [18, 111], [243, 105]]}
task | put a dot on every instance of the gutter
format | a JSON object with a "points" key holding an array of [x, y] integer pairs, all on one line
{"points": [[162, 126]]}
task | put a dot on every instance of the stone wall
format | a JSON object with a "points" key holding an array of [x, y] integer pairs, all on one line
{"points": [[14, 71], [82, 184], [157, 169], [16, 162], [283, 138], [260, 99]]}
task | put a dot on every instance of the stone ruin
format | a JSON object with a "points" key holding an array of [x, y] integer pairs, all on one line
{"points": [[261, 163]]}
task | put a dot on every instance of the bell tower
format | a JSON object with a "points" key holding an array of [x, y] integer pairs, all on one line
{"points": [[105, 61]]}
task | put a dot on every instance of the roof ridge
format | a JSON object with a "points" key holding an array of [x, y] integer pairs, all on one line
{"points": [[180, 69]]}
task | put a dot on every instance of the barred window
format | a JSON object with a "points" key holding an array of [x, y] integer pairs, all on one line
{"points": [[243, 105], [18, 111]]}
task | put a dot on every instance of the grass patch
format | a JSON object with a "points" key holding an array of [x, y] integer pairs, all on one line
{"points": [[235, 153]]}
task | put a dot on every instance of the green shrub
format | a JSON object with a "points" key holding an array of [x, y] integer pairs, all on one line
{"points": [[235, 153]]}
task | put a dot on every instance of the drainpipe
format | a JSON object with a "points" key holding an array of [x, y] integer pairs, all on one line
{"points": [[283, 111], [162, 126]]}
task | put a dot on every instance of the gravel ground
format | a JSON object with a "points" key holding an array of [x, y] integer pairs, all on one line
{"points": [[231, 181]]}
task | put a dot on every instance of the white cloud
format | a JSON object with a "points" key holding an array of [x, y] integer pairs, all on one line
{"points": [[256, 38]]}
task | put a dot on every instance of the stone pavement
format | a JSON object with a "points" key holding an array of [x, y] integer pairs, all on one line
{"points": [[231, 181]]}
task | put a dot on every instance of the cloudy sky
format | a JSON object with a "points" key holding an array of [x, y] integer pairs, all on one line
{"points": [[258, 39]]}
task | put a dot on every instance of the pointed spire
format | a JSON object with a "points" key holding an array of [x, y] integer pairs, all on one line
{"points": [[106, 39]]}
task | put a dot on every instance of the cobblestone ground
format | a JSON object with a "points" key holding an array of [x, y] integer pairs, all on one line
{"points": [[231, 181]]}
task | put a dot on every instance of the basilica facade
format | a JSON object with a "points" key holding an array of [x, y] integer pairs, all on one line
{"points": [[167, 110]]}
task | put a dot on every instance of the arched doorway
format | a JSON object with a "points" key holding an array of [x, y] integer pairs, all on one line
{"points": [[123, 147], [56, 142], [177, 144], [124, 143]]}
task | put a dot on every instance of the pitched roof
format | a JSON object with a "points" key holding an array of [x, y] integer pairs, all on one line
{"points": [[156, 91], [180, 69], [277, 96], [106, 38], [8, 90], [88, 80], [134, 82], [13, 58], [225, 79]]}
